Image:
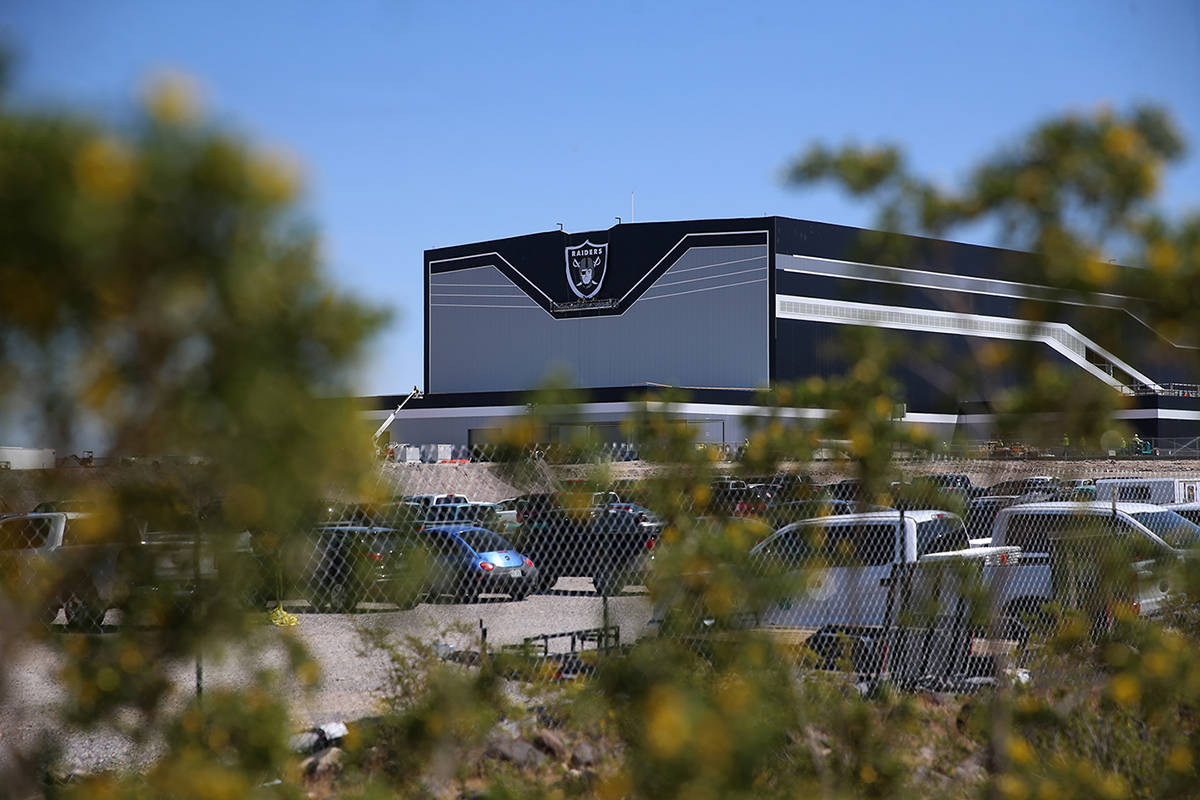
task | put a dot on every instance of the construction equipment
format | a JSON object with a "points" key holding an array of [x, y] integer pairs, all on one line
{"points": [[416, 392]]}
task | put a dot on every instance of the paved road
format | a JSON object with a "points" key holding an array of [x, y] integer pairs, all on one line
{"points": [[354, 676]]}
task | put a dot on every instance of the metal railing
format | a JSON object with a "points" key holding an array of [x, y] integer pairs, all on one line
{"points": [[1167, 389]]}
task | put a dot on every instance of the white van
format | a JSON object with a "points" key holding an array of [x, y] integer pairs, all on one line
{"points": [[1159, 491]]}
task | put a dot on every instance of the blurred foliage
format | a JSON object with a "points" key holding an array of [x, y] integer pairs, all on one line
{"points": [[1113, 717], [161, 292], [157, 284], [432, 712], [696, 726]]}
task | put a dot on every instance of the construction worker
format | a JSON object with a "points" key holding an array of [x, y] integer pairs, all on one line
{"points": [[1066, 444]]}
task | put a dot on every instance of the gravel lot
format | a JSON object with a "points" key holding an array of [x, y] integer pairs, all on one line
{"points": [[486, 482], [352, 678]]}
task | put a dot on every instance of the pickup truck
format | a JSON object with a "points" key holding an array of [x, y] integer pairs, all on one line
{"points": [[849, 558], [858, 570], [47, 563], [610, 545], [954, 483], [1068, 550], [59, 560]]}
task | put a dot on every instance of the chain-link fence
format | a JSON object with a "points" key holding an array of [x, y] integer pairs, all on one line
{"points": [[1132, 447], [949, 573], [945, 574]]}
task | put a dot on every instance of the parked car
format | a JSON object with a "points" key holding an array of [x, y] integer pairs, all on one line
{"points": [[958, 482], [791, 486], [467, 561], [981, 513], [849, 489], [507, 510], [1021, 486], [344, 564], [647, 518], [736, 498], [1080, 488], [483, 515], [425, 501], [387, 513], [1057, 491], [789, 511], [530, 506], [600, 499], [611, 546]]}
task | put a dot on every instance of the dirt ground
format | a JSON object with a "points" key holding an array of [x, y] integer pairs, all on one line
{"points": [[490, 483], [21, 490]]}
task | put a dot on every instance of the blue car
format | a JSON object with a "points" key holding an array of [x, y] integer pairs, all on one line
{"points": [[467, 561]]}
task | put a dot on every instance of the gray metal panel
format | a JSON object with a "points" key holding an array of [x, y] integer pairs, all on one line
{"points": [[708, 426], [478, 287], [704, 323]]}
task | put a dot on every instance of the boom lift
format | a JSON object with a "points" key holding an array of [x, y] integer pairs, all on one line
{"points": [[392, 417]]}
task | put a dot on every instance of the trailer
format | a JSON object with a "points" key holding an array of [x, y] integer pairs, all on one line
{"points": [[1159, 491], [26, 458]]}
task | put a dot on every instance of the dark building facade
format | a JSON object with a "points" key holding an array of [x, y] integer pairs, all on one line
{"points": [[724, 308]]}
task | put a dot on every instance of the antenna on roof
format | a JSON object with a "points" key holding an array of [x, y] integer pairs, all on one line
{"points": [[559, 224], [618, 219]]}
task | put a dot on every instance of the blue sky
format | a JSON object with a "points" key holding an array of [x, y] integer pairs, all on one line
{"points": [[423, 125]]}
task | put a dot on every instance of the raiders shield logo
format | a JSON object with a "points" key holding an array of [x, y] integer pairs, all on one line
{"points": [[586, 264]]}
